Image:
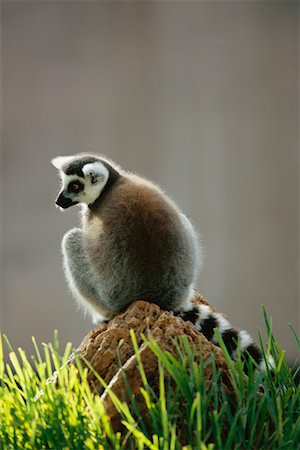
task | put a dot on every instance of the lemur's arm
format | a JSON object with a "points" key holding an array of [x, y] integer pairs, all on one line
{"points": [[83, 282]]}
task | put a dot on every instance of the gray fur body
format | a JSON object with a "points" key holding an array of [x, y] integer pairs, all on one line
{"points": [[134, 244]]}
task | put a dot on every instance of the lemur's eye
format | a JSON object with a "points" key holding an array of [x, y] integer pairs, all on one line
{"points": [[75, 186]]}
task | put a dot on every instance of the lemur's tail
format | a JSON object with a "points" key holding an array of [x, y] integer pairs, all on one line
{"points": [[205, 319]]}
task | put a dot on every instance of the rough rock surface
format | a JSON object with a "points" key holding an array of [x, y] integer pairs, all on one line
{"points": [[102, 349]]}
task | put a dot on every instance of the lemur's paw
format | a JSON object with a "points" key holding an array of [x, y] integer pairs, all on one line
{"points": [[72, 238]]}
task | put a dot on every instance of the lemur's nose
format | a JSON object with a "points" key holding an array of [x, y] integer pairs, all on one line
{"points": [[64, 202]]}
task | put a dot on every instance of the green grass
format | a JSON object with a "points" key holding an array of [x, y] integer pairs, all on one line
{"points": [[182, 413]]}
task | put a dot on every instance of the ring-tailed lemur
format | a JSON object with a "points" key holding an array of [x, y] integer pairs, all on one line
{"points": [[134, 244]]}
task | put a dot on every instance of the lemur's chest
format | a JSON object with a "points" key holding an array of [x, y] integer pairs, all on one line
{"points": [[92, 228]]}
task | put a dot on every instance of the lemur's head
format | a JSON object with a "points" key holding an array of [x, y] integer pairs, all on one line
{"points": [[83, 177]]}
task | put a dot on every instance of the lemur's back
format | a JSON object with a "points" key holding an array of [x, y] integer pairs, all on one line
{"points": [[146, 248]]}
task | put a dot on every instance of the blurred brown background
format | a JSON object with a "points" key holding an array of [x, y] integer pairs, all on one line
{"points": [[201, 97]]}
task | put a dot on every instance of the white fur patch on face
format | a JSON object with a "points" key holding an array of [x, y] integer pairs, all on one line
{"points": [[60, 161], [96, 171], [97, 175], [66, 179]]}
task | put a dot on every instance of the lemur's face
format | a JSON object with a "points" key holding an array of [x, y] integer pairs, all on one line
{"points": [[83, 179]]}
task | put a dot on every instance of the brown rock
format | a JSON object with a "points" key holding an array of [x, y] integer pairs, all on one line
{"points": [[101, 347]]}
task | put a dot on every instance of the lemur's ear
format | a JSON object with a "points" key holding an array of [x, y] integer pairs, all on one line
{"points": [[60, 161], [96, 171]]}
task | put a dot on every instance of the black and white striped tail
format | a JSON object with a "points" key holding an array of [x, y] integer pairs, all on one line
{"points": [[206, 319]]}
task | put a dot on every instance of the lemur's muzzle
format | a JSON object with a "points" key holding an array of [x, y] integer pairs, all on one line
{"points": [[64, 202]]}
